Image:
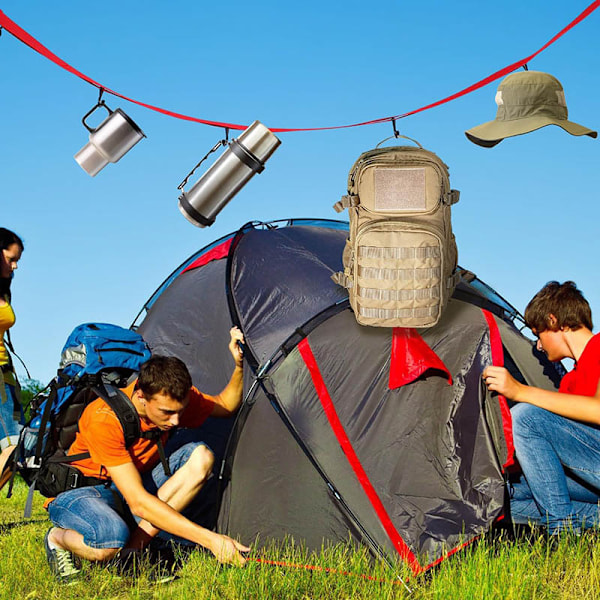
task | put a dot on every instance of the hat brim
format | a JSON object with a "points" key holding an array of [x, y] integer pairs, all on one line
{"points": [[493, 132]]}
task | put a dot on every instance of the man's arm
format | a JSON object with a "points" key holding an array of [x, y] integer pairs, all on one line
{"points": [[579, 408], [229, 400], [150, 508]]}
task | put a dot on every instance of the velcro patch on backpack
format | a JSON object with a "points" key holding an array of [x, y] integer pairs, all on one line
{"points": [[400, 190]]}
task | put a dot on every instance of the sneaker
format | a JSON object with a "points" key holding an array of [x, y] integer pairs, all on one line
{"points": [[136, 564], [62, 563]]}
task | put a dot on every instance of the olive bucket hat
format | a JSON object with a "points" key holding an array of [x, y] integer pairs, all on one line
{"points": [[527, 100]]}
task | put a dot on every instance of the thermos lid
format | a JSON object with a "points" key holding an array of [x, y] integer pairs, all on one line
{"points": [[259, 140]]}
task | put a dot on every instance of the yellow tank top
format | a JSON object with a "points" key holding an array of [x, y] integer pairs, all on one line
{"points": [[7, 320]]}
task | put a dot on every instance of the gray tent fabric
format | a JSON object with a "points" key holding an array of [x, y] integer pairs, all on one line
{"points": [[276, 491], [425, 447], [189, 316], [322, 449], [274, 275]]}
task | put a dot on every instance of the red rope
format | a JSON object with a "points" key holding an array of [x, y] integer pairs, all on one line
{"points": [[276, 563], [30, 41]]}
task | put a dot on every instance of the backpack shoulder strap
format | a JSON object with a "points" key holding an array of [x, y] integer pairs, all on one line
{"points": [[123, 408], [130, 420]]}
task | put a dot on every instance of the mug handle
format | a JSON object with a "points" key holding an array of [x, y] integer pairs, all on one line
{"points": [[100, 104]]}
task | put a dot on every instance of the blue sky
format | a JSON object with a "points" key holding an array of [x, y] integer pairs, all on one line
{"points": [[97, 248]]}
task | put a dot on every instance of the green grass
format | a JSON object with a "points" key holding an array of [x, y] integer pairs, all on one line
{"points": [[493, 568]]}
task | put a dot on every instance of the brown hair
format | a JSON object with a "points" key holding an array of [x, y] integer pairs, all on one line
{"points": [[164, 375], [565, 302]]}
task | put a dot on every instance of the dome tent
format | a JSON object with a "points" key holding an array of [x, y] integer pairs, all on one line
{"points": [[328, 444]]}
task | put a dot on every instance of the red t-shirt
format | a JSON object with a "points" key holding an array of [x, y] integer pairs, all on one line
{"points": [[100, 433], [583, 379]]}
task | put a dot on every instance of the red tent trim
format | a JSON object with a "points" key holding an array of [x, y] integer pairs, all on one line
{"points": [[498, 361], [220, 251], [323, 394]]}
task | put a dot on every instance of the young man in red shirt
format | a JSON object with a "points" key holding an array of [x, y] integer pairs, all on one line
{"points": [[91, 522], [557, 434]]}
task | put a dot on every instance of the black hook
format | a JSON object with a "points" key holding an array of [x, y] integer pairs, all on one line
{"points": [[226, 135], [396, 132], [101, 91], [525, 67]]}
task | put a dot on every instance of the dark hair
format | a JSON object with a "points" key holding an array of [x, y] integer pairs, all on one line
{"points": [[164, 375], [565, 302], [7, 239]]}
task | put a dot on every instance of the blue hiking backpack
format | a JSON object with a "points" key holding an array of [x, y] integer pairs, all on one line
{"points": [[97, 352], [96, 360]]}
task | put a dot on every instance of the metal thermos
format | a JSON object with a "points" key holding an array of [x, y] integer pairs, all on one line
{"points": [[245, 156]]}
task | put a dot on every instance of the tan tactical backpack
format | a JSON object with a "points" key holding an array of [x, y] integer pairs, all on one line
{"points": [[400, 260]]}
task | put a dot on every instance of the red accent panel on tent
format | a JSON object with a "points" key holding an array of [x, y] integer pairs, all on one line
{"points": [[498, 361], [220, 251], [323, 394], [411, 357]]}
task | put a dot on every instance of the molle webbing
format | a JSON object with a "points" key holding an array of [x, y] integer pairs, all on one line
{"points": [[401, 295], [399, 274], [399, 313], [398, 253]]}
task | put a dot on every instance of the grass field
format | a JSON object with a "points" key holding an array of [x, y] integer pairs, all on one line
{"points": [[495, 567]]}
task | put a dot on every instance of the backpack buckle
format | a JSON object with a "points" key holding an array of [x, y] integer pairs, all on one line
{"points": [[348, 201], [73, 481], [451, 197]]}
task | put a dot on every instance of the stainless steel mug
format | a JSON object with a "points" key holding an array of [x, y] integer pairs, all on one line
{"points": [[109, 142]]}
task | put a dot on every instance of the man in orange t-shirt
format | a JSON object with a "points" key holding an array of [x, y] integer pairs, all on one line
{"points": [[89, 521]]}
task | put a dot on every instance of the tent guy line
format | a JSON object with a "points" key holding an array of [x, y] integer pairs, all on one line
{"points": [[34, 44], [328, 570]]}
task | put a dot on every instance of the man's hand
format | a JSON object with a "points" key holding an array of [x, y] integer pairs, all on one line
{"points": [[228, 551], [228, 401], [234, 346], [498, 379], [571, 406]]}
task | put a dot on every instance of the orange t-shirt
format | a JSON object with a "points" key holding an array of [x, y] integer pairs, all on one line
{"points": [[101, 434]]}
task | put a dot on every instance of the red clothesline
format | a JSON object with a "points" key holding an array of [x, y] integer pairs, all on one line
{"points": [[30, 41]]}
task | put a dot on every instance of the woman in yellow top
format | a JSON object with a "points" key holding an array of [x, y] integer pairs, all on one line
{"points": [[11, 247]]}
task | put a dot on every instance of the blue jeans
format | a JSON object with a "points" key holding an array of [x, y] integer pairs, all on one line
{"points": [[11, 415], [100, 514], [560, 459]]}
